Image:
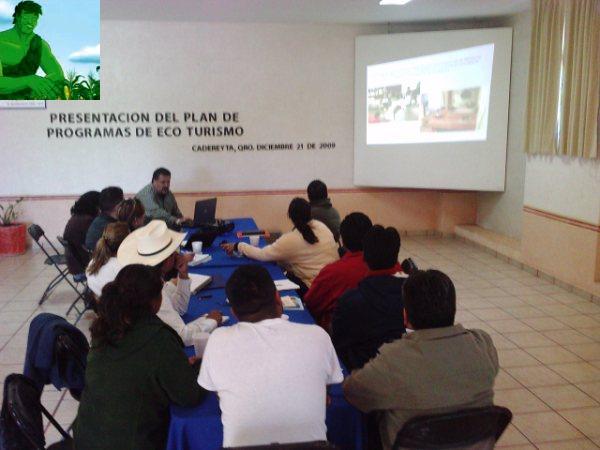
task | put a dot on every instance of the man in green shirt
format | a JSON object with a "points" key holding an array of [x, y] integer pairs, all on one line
{"points": [[440, 368], [321, 207], [22, 53], [159, 202]]}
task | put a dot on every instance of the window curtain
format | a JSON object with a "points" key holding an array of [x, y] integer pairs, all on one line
{"points": [[564, 78]]}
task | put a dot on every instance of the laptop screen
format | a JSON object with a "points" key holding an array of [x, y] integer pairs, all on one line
{"points": [[204, 211]]}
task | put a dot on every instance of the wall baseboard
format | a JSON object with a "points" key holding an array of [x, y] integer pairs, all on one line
{"points": [[489, 242]]}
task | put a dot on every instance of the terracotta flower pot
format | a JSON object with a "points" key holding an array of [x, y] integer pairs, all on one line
{"points": [[12, 239]]}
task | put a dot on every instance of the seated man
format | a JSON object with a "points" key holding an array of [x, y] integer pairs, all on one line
{"points": [[338, 277], [110, 198], [321, 208], [155, 245], [22, 52], [439, 368], [371, 314], [159, 202], [270, 374]]}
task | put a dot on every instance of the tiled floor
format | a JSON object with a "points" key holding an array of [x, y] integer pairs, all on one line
{"points": [[548, 339]]}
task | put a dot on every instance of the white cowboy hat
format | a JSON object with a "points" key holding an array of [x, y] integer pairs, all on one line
{"points": [[149, 245]]}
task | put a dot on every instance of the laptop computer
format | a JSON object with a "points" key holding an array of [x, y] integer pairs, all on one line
{"points": [[204, 212]]}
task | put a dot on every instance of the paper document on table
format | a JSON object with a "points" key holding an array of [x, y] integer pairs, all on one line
{"points": [[200, 259], [286, 285], [198, 281], [292, 302]]}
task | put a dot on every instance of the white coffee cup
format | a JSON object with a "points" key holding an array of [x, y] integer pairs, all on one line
{"points": [[197, 247], [254, 240]]}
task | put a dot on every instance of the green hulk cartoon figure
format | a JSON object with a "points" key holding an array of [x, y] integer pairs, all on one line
{"points": [[22, 52]]}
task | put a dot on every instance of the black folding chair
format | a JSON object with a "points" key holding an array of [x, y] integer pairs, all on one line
{"points": [[24, 410], [79, 278], [53, 258], [65, 350], [58, 260], [473, 429], [71, 251], [315, 445], [79, 255]]}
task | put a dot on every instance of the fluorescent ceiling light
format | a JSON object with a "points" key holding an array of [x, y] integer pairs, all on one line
{"points": [[394, 2]]}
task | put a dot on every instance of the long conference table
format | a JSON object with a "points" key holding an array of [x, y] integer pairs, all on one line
{"points": [[201, 427]]}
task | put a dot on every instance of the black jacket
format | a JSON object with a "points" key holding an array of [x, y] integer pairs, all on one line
{"points": [[366, 318], [75, 232]]}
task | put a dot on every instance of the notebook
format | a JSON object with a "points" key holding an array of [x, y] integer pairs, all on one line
{"points": [[286, 285], [292, 302], [199, 281]]}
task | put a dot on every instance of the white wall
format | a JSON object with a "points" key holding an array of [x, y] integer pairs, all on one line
{"points": [[289, 83], [568, 187], [502, 212]]}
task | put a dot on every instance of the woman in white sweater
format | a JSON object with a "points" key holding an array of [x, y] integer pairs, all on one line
{"points": [[304, 251], [103, 267]]}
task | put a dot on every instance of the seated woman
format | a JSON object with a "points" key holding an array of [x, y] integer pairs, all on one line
{"points": [[136, 369], [103, 267], [303, 252], [132, 212], [83, 212]]}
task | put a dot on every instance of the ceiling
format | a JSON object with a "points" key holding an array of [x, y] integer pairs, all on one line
{"points": [[302, 11]]}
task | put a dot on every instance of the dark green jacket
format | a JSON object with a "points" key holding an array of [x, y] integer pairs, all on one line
{"points": [[323, 211], [129, 387], [95, 230]]}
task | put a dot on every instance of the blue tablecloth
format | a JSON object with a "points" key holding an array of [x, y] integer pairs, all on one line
{"points": [[219, 257], [201, 427]]}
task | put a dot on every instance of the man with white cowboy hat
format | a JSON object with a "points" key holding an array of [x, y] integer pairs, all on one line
{"points": [[156, 245]]}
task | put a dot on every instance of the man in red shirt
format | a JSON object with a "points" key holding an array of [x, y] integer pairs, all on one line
{"points": [[336, 278]]}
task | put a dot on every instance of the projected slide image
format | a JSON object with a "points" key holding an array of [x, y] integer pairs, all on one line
{"points": [[458, 113], [394, 103], [435, 98]]}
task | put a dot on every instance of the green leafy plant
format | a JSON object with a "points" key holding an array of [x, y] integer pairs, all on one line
{"points": [[79, 88], [72, 83], [9, 213]]}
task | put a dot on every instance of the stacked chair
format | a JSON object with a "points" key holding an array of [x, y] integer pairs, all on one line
{"points": [[56, 354]]}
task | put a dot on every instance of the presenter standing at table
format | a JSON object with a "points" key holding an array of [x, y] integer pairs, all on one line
{"points": [[159, 202]]}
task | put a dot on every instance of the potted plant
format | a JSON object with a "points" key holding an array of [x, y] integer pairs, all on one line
{"points": [[12, 234]]}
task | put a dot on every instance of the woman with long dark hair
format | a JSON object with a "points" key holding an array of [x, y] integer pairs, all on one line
{"points": [[303, 252], [136, 368], [83, 213]]}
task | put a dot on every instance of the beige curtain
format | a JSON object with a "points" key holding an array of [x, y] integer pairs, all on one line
{"points": [[564, 78]]}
